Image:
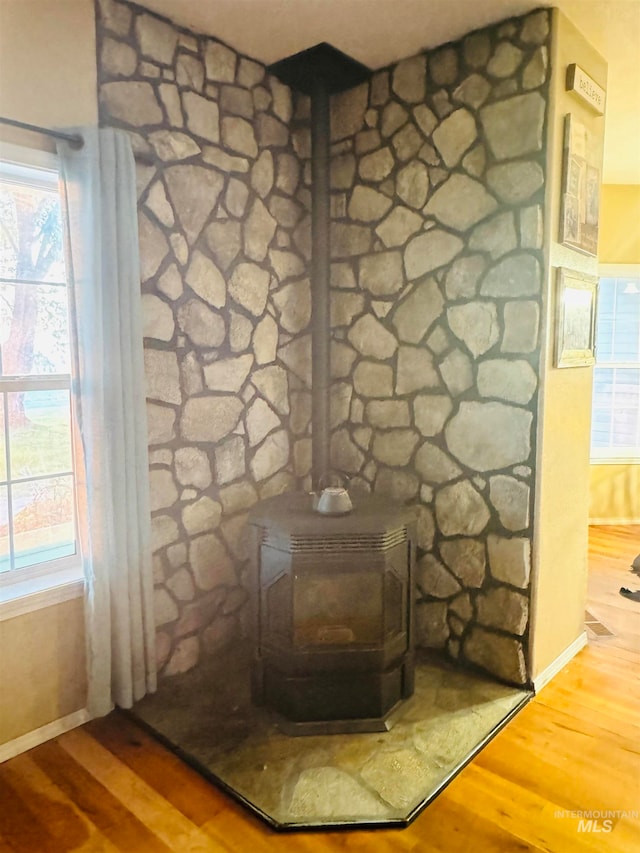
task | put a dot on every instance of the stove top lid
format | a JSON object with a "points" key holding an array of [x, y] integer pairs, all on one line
{"points": [[293, 514]]}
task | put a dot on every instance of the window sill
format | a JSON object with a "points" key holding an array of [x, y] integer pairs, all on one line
{"points": [[26, 596], [615, 460]]}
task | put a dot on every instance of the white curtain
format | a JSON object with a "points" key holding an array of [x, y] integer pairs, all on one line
{"points": [[101, 236]]}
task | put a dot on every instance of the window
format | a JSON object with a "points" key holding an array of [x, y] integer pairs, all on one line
{"points": [[615, 424], [37, 501]]}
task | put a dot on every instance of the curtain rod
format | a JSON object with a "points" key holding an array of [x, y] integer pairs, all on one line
{"points": [[74, 139]]}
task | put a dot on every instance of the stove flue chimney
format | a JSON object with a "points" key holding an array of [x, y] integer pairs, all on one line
{"points": [[320, 72]]}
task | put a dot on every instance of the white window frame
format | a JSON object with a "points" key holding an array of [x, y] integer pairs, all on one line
{"points": [[607, 455], [32, 587]]}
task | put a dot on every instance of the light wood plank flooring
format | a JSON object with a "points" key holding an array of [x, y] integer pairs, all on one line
{"points": [[109, 787], [611, 550]]}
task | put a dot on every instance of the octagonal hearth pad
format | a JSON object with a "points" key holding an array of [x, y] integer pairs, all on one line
{"points": [[377, 779]]}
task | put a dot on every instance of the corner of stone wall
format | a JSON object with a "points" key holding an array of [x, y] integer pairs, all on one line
{"points": [[437, 204]]}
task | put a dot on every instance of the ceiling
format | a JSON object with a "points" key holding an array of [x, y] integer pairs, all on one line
{"points": [[379, 32]]}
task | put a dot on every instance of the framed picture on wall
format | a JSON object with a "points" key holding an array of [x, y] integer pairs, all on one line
{"points": [[576, 304], [580, 188]]}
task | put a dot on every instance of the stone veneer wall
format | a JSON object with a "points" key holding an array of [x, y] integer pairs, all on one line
{"points": [[226, 299], [438, 191]]}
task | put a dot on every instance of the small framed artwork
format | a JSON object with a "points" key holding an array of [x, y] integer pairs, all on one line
{"points": [[580, 188], [575, 318]]}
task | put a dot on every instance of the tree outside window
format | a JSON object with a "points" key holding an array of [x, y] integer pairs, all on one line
{"points": [[36, 468]]}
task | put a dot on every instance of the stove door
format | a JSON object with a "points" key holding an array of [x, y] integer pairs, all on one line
{"points": [[337, 608]]}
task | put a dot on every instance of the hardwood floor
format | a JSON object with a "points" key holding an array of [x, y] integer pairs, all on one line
{"points": [[611, 550], [108, 787]]}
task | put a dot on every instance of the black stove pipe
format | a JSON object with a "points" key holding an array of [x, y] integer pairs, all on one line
{"points": [[320, 72], [320, 280]]}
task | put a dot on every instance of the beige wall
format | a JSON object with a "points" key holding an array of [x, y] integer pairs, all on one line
{"points": [[47, 77], [614, 490], [47, 65], [614, 494], [620, 224], [561, 512], [42, 668]]}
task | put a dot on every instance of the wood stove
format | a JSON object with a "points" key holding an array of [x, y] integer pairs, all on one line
{"points": [[333, 649]]}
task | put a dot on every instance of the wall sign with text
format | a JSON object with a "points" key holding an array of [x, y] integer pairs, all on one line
{"points": [[586, 88]]}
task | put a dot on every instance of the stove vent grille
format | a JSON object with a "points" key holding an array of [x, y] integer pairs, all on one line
{"points": [[336, 543]]}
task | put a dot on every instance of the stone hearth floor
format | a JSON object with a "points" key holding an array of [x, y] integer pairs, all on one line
{"points": [[314, 781]]}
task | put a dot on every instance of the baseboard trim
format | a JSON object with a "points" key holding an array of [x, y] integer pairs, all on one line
{"points": [[617, 521], [561, 661], [44, 733]]}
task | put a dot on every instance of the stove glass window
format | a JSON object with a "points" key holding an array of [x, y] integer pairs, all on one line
{"points": [[338, 609]]}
